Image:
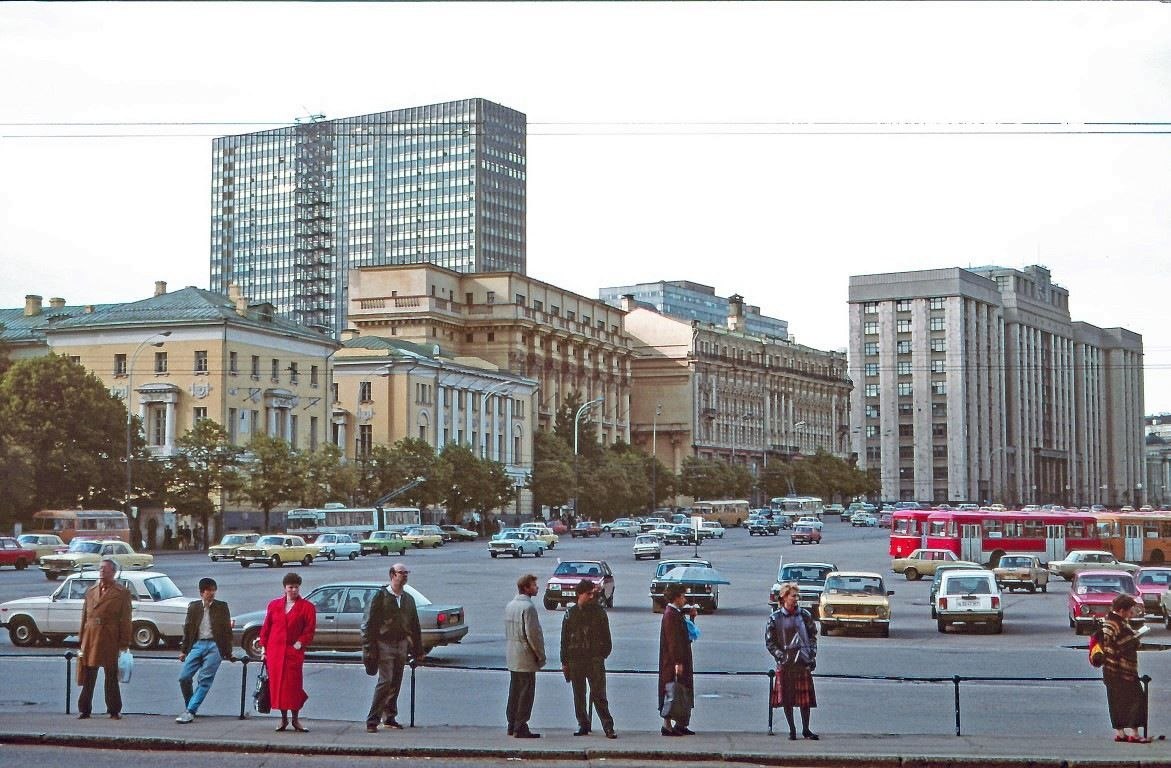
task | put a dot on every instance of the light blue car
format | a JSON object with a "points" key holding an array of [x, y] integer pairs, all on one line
{"points": [[517, 543]]}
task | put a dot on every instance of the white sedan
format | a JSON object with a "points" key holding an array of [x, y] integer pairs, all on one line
{"points": [[334, 545], [711, 529], [812, 522]]}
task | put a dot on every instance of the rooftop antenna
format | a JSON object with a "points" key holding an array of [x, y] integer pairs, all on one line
{"points": [[309, 117]]}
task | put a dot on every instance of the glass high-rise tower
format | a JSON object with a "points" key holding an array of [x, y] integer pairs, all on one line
{"points": [[293, 209]]}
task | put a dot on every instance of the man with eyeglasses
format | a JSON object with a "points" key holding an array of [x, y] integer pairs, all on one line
{"points": [[390, 639]]}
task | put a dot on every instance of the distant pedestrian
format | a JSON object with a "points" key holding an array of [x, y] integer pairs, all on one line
{"points": [[105, 633], [206, 643], [391, 637], [585, 645], [791, 639], [526, 655], [675, 661], [1124, 690], [289, 624]]}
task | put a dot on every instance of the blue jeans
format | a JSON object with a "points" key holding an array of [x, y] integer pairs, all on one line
{"points": [[202, 662]]}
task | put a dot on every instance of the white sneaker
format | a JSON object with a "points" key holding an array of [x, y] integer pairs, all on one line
{"points": [[186, 717]]}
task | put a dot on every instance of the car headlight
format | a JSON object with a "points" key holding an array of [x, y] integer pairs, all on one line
{"points": [[827, 610], [554, 587], [1086, 610], [883, 612]]}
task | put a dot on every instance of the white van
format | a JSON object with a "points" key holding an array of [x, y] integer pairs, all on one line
{"points": [[969, 597]]}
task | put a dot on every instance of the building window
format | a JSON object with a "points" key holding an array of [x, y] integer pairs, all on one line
{"points": [[939, 451], [903, 326], [423, 427], [870, 348], [158, 426], [939, 473], [293, 431], [903, 347], [872, 390], [491, 297], [276, 370], [938, 366], [422, 393], [870, 328], [935, 303], [872, 369], [365, 441], [292, 373], [554, 310], [939, 387], [313, 375], [873, 454], [333, 391], [233, 429], [538, 305], [905, 389], [119, 365], [570, 314], [935, 324], [939, 410], [201, 361], [518, 409], [520, 299], [870, 307], [939, 429], [906, 409], [903, 368], [939, 345], [233, 363], [872, 430], [906, 430], [365, 390], [906, 451], [469, 337], [198, 415], [256, 367], [516, 449], [872, 412], [312, 433], [903, 305], [491, 336], [160, 366], [254, 423]]}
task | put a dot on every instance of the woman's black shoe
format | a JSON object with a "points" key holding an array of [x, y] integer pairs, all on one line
{"points": [[683, 730], [810, 735], [792, 735], [667, 732]]}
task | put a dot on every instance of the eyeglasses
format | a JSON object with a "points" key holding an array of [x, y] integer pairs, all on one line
{"points": [[400, 573]]}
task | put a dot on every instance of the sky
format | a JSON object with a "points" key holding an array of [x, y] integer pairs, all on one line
{"points": [[767, 150]]}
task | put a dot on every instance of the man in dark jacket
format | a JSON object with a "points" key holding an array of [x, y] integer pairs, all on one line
{"points": [[390, 638], [207, 641], [585, 645]]}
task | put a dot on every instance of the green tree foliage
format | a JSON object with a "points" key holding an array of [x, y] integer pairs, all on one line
{"points": [[476, 484], [587, 432], [325, 477], [65, 432], [823, 475], [552, 478], [205, 464], [271, 474]]}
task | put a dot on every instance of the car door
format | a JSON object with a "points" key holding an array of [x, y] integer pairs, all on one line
{"points": [[64, 611], [349, 620], [328, 602], [607, 581]]}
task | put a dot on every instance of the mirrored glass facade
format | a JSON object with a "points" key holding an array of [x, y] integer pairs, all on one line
{"points": [[295, 208]]}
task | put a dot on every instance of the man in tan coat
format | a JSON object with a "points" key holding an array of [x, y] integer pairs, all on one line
{"points": [[525, 646], [105, 632]]}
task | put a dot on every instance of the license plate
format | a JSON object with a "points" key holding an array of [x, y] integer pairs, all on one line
{"points": [[969, 602], [566, 594]]}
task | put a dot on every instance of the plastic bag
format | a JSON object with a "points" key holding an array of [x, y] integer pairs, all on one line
{"points": [[692, 629], [125, 666]]}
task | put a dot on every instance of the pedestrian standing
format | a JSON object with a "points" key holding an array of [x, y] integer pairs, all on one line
{"points": [[585, 645], [391, 638], [1124, 690], [105, 633], [207, 641], [791, 639], [289, 624], [526, 655], [675, 661]]}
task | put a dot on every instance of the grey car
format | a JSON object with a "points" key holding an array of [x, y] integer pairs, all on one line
{"points": [[340, 608]]}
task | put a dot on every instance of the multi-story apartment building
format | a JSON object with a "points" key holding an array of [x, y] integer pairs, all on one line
{"points": [[565, 342], [295, 208], [975, 385], [387, 389], [722, 392], [686, 300]]}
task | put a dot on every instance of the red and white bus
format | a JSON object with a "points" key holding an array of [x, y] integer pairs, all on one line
{"points": [[908, 531], [983, 537]]}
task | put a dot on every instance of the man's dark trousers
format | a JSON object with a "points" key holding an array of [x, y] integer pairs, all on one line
{"points": [[392, 657], [522, 688], [113, 692], [593, 672]]}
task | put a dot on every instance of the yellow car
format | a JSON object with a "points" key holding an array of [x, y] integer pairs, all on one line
{"points": [[276, 550], [424, 536], [42, 543], [546, 535], [230, 544], [855, 600], [88, 553], [923, 562]]}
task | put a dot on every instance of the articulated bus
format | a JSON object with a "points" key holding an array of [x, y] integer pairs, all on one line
{"points": [[908, 531], [87, 523], [983, 537], [728, 512], [1136, 537], [794, 507], [359, 521]]}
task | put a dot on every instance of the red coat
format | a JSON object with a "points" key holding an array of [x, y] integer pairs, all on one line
{"points": [[284, 662]]}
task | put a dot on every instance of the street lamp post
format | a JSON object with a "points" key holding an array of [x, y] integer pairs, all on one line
{"points": [[576, 418], [654, 458], [130, 423], [495, 389]]}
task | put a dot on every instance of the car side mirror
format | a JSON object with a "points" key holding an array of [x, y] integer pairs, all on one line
{"points": [[890, 592]]}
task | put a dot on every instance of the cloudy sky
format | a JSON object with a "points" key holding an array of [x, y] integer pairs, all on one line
{"points": [[768, 150]]}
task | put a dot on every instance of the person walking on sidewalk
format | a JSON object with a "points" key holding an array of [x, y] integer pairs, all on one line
{"points": [[207, 641], [675, 661], [791, 639], [585, 645], [391, 637], [526, 655], [289, 625], [1124, 690], [105, 633]]}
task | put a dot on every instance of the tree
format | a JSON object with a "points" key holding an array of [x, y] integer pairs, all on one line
{"points": [[272, 474], [587, 432], [325, 477], [823, 475], [206, 463], [551, 481], [477, 484]]}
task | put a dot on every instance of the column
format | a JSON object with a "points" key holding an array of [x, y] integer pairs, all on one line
{"points": [[288, 434], [510, 458], [169, 428], [471, 407], [440, 418], [455, 395], [341, 439]]}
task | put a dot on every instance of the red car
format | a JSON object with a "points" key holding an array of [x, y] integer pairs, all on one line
{"points": [[12, 553], [561, 588], [1090, 596], [1152, 583], [585, 529], [558, 527], [805, 534]]}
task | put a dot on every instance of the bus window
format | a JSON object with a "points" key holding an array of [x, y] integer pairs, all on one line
{"points": [[991, 527], [1034, 529], [1075, 529]]}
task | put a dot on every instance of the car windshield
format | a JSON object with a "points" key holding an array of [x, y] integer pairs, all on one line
{"points": [[383, 535], [809, 574], [161, 588], [1154, 578], [646, 540], [1015, 562], [514, 535], [968, 585], [233, 540], [803, 529], [271, 541], [87, 547], [578, 569], [854, 585], [1101, 585]]}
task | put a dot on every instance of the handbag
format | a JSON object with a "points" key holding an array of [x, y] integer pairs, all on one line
{"points": [[676, 701], [261, 700], [125, 666]]}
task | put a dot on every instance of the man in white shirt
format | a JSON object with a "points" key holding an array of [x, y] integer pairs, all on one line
{"points": [[207, 641], [391, 637]]}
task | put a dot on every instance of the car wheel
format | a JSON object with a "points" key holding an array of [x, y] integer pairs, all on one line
{"points": [[657, 557], [21, 564], [244, 563], [516, 554], [911, 574], [251, 644], [493, 554], [1045, 587], [552, 544], [1166, 619], [998, 628], [655, 607], [610, 602], [885, 631], [308, 560], [1073, 625], [144, 636], [330, 555], [1032, 588], [550, 605], [275, 562], [540, 552], [384, 552], [353, 555], [23, 632], [52, 575], [941, 625]]}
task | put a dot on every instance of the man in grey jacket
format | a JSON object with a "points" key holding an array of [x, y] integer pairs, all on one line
{"points": [[526, 655]]}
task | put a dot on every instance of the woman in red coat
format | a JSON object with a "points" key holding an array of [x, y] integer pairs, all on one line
{"points": [[286, 633]]}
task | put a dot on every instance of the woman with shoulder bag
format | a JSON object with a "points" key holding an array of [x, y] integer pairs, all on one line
{"points": [[791, 638], [675, 664]]}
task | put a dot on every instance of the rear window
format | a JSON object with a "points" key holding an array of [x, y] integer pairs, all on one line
{"points": [[968, 585]]}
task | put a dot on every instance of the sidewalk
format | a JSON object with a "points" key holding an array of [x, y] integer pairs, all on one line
{"points": [[226, 734]]}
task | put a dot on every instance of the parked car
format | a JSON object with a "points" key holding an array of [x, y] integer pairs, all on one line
{"points": [[810, 581], [158, 610], [647, 545], [683, 535], [969, 597], [383, 543], [340, 608], [517, 543], [853, 600], [331, 546], [230, 544], [84, 553], [651, 523], [1090, 596], [424, 536], [864, 520], [276, 550], [546, 535], [558, 527], [959, 565], [42, 543], [762, 526], [12, 553], [711, 529], [805, 534], [623, 526], [923, 562], [885, 518], [1022, 572], [1152, 584], [458, 533], [561, 588], [835, 510], [703, 596], [585, 529], [812, 522], [1088, 560]]}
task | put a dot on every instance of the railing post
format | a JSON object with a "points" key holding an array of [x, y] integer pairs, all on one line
{"points": [[772, 674], [413, 665], [1146, 681], [68, 681], [955, 681], [244, 687]]}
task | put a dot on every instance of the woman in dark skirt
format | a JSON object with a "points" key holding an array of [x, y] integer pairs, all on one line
{"points": [[791, 639], [1124, 691]]}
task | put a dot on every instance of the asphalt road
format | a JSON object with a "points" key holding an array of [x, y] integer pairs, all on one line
{"points": [[1036, 642]]}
